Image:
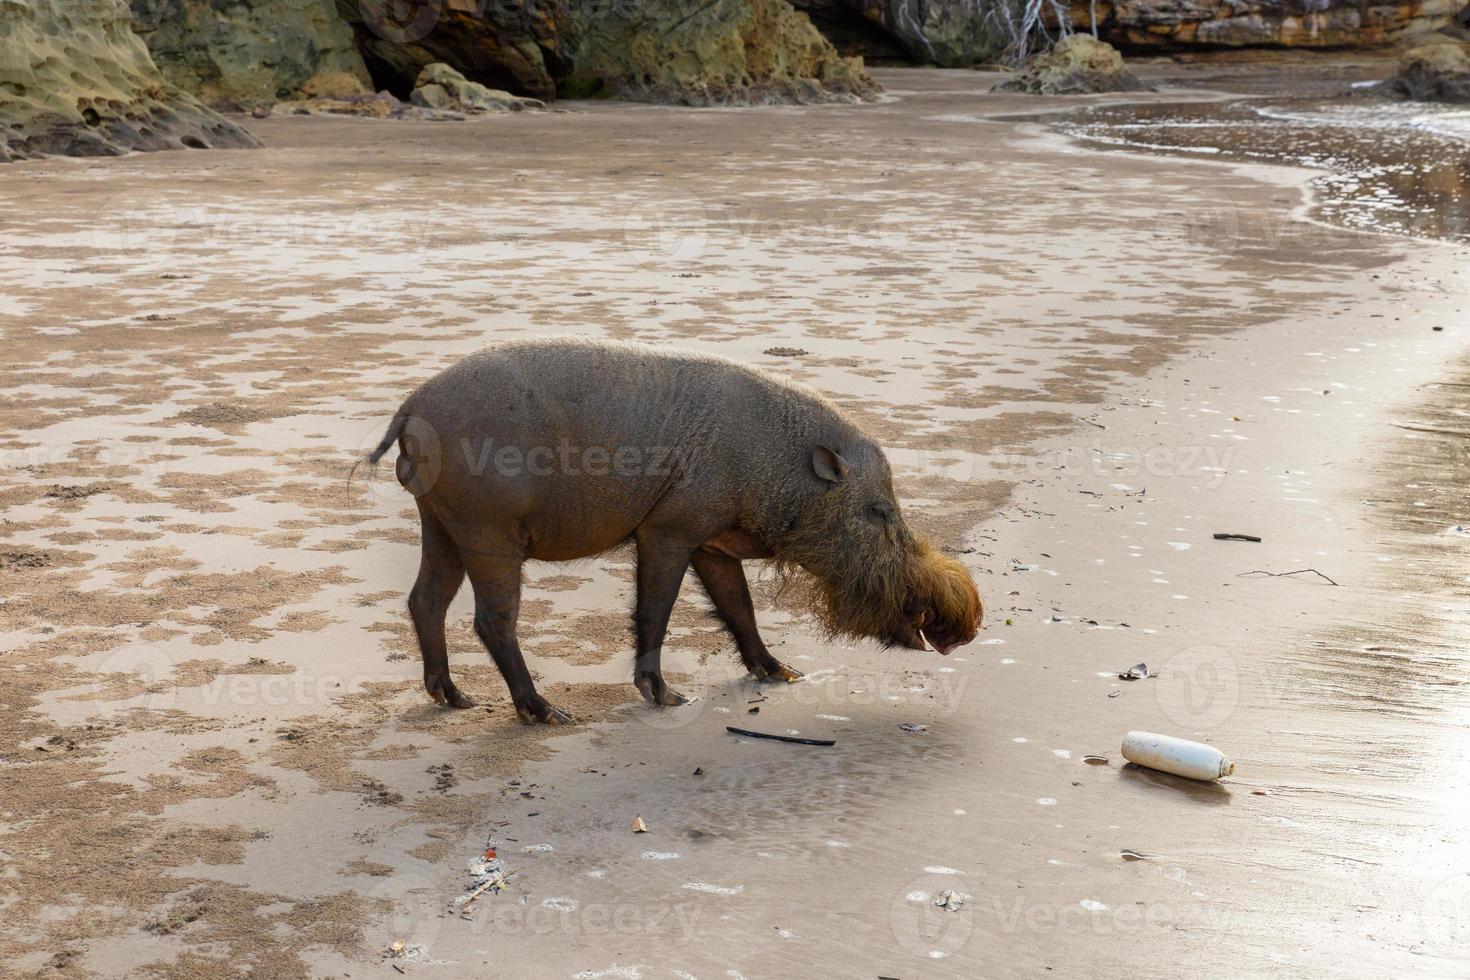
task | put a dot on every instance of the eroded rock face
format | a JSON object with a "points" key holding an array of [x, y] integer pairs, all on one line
{"points": [[955, 33], [1438, 72], [75, 80], [698, 52], [1076, 65], [721, 52], [1252, 23], [949, 33], [516, 45], [247, 53]]}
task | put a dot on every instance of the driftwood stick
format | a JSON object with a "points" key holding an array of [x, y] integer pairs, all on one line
{"points": [[779, 738], [1299, 571]]}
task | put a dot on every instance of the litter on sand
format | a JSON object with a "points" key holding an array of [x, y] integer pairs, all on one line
{"points": [[1179, 756], [779, 738], [1226, 536], [1128, 854], [1095, 760], [639, 827], [1135, 673], [951, 900], [487, 874], [412, 952], [912, 728]]}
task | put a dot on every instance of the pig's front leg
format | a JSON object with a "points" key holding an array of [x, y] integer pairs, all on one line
{"points": [[724, 582], [662, 561]]}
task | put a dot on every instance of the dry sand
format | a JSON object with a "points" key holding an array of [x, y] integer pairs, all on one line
{"points": [[216, 753]]}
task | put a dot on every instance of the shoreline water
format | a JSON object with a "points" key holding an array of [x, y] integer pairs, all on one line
{"points": [[1386, 167], [817, 855]]}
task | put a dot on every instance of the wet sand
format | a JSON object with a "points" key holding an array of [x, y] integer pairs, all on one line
{"points": [[216, 751]]}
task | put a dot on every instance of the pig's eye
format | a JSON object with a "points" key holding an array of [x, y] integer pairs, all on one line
{"points": [[881, 511]]}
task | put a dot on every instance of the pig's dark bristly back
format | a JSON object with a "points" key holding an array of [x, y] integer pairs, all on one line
{"points": [[732, 428]]}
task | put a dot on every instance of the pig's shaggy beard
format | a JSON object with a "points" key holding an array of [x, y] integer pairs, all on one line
{"points": [[855, 584]]}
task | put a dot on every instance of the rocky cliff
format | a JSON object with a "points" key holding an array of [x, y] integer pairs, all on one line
{"points": [[949, 33], [75, 79], [1143, 24], [518, 45], [244, 54], [697, 52], [965, 32]]}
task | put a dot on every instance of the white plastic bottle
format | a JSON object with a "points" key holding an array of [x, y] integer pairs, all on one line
{"points": [[1193, 760]]}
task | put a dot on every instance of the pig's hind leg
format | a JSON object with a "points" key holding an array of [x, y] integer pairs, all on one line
{"points": [[723, 578], [440, 575], [662, 561], [496, 579]]}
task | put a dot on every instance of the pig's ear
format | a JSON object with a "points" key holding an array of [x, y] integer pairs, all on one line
{"points": [[829, 464]]}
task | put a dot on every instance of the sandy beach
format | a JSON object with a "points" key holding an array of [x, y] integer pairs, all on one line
{"points": [[216, 752]]}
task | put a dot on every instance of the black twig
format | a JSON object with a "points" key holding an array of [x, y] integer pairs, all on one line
{"points": [[779, 738], [1299, 571]]}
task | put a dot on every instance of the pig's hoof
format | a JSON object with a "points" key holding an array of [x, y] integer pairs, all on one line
{"points": [[657, 693], [778, 672], [543, 712], [443, 691]]}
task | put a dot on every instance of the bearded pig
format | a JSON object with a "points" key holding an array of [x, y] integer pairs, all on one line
{"points": [[561, 449]]}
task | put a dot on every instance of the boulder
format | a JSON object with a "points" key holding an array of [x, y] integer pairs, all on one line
{"points": [[441, 87], [1437, 72], [333, 85], [245, 53], [75, 80], [381, 105], [1077, 64]]}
